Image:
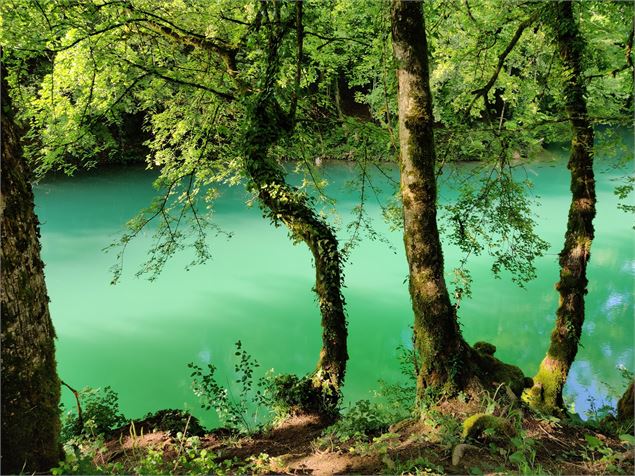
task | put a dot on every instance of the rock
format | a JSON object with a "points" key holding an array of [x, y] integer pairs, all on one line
{"points": [[499, 428], [485, 348], [459, 450]]}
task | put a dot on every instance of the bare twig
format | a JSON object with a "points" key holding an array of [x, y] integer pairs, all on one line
{"points": [[80, 418]]}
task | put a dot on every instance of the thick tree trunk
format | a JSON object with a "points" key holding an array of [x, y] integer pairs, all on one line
{"points": [[546, 394], [448, 363], [30, 387], [443, 351]]}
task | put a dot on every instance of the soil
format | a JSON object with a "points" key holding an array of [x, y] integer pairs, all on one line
{"points": [[300, 446]]}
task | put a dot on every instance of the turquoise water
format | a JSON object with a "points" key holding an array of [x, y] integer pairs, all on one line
{"points": [[138, 336]]}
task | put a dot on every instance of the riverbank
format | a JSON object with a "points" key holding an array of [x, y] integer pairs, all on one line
{"points": [[435, 444]]}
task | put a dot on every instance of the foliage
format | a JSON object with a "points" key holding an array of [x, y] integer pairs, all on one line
{"points": [[85, 457], [393, 402], [362, 420], [234, 411], [597, 452], [417, 466], [257, 401], [100, 414], [191, 458], [81, 70], [495, 216], [288, 394]]}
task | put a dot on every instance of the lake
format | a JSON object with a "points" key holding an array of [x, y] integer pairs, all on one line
{"points": [[138, 336]]}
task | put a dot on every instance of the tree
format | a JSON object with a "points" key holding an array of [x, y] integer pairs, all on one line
{"points": [[30, 386], [218, 104], [267, 121], [448, 363], [546, 394]]}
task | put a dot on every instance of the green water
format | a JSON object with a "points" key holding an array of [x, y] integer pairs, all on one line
{"points": [[138, 336]]}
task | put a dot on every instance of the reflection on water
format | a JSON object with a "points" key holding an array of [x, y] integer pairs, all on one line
{"points": [[138, 336]]}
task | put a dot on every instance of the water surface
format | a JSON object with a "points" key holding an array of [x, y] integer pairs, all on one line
{"points": [[138, 336]]}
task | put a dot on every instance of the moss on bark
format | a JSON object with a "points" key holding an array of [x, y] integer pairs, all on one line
{"points": [[448, 363], [30, 387], [283, 204], [546, 394], [626, 406]]}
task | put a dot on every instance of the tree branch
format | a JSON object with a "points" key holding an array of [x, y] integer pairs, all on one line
{"points": [[482, 92], [154, 72], [298, 72]]}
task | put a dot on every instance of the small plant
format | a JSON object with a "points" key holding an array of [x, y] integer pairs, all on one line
{"points": [[251, 406], [363, 420], [100, 414], [289, 394], [523, 455], [233, 412], [190, 458], [598, 452], [85, 456], [260, 464], [418, 466]]}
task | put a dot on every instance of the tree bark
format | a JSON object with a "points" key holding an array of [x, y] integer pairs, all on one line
{"points": [[626, 405], [30, 386], [267, 123], [443, 352], [546, 394], [448, 363], [286, 205]]}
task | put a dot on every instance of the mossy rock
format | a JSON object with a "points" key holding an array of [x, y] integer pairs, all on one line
{"points": [[489, 427], [485, 348], [492, 372], [172, 421]]}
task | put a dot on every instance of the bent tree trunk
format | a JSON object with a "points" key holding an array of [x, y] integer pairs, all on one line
{"points": [[267, 122], [448, 363], [441, 347], [30, 387], [284, 204], [546, 394]]}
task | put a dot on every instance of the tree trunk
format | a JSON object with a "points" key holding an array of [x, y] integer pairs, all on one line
{"points": [[30, 387], [267, 123], [546, 394], [284, 204], [441, 347], [626, 405], [448, 363]]}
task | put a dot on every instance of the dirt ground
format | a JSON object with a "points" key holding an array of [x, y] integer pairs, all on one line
{"points": [[300, 446]]}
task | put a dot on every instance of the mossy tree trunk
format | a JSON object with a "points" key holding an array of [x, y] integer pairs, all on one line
{"points": [[282, 203], [266, 124], [546, 394], [30, 386], [443, 352], [448, 363], [626, 405]]}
